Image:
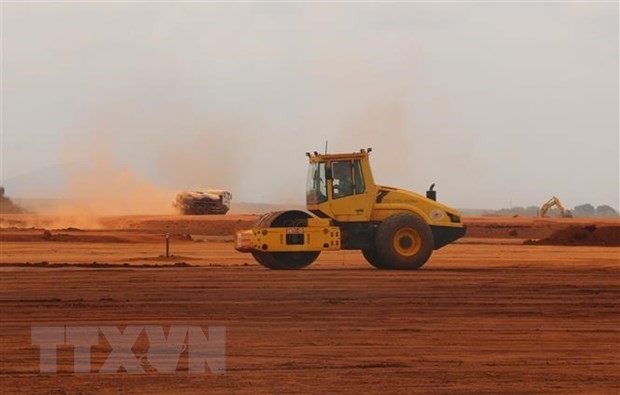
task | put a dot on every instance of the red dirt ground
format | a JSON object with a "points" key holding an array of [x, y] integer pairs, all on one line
{"points": [[485, 315]]}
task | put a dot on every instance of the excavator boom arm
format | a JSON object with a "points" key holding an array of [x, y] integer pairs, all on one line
{"points": [[554, 201]]}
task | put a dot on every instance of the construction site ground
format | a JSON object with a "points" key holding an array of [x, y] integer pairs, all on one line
{"points": [[487, 314]]}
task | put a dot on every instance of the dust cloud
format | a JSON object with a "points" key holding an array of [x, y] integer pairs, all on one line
{"points": [[102, 185]]}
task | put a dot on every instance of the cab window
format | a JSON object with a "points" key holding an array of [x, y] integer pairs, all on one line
{"points": [[342, 179], [316, 191], [360, 187]]}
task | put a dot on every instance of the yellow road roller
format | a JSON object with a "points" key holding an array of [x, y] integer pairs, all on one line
{"points": [[394, 228]]}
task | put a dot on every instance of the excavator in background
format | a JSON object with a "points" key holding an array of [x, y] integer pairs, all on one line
{"points": [[394, 228], [554, 201]]}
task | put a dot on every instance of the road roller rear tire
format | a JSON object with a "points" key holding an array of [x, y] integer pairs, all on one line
{"points": [[403, 241]]}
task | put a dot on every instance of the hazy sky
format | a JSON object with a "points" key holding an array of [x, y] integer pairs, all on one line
{"points": [[494, 102]]}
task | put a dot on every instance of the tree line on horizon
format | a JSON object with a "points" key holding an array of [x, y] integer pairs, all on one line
{"points": [[586, 210]]}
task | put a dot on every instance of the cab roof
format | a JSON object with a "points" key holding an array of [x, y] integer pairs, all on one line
{"points": [[316, 157]]}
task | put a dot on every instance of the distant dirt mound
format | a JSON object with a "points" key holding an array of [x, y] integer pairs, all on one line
{"points": [[7, 206], [608, 236]]}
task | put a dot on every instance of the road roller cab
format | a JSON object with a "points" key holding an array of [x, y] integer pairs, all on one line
{"points": [[394, 228], [340, 187]]}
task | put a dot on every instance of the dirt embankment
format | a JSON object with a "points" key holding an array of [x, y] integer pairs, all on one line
{"points": [[527, 227], [591, 235], [213, 225]]}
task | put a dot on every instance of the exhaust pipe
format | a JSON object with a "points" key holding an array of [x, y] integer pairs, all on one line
{"points": [[431, 194]]}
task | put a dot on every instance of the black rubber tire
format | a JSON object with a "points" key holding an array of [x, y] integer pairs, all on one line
{"points": [[389, 257], [285, 260], [370, 254]]}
